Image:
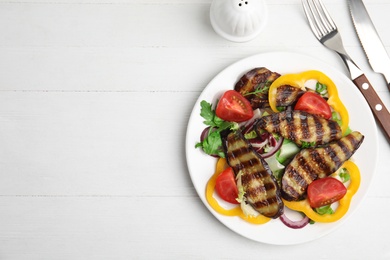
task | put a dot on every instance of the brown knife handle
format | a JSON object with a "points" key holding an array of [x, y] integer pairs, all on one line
{"points": [[377, 107]]}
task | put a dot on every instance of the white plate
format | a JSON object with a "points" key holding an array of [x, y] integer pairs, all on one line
{"points": [[201, 166]]}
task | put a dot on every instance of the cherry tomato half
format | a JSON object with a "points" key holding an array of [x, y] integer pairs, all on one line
{"points": [[325, 191], [314, 104], [226, 186], [234, 107]]}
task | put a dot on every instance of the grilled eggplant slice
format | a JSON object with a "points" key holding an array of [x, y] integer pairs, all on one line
{"points": [[261, 189], [287, 95], [256, 81], [313, 163], [254, 85], [300, 127]]}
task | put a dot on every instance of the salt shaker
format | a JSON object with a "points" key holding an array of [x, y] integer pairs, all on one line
{"points": [[238, 20]]}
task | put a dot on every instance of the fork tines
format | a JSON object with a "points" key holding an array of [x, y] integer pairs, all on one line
{"points": [[319, 19]]}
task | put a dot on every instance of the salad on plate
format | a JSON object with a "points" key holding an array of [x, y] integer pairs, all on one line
{"points": [[283, 146]]}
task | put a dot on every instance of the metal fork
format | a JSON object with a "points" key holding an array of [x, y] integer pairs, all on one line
{"points": [[325, 30]]}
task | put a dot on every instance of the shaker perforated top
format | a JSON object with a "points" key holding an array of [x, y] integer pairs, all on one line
{"points": [[238, 20]]}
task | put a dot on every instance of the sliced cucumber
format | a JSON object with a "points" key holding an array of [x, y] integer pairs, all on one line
{"points": [[274, 164], [287, 151]]}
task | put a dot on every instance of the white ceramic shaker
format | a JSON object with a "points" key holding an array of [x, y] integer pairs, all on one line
{"points": [[238, 20]]}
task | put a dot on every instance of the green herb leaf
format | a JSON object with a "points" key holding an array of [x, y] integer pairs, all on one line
{"points": [[336, 117], [348, 131], [324, 210], [321, 89], [207, 113], [226, 125], [251, 135], [262, 88], [218, 121], [212, 144], [211, 119], [344, 175], [307, 144]]}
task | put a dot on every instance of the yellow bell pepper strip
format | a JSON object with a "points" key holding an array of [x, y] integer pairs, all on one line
{"points": [[210, 187], [341, 210], [298, 80]]}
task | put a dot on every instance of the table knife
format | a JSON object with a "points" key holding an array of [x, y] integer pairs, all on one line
{"points": [[369, 38]]}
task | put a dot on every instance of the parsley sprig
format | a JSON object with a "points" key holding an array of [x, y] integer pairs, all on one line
{"points": [[262, 88], [212, 143]]}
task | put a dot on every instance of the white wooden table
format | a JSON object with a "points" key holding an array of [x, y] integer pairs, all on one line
{"points": [[95, 97]]}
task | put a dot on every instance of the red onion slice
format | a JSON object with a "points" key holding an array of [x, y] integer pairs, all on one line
{"points": [[204, 134], [248, 128], [294, 224], [257, 143], [249, 123], [277, 145]]}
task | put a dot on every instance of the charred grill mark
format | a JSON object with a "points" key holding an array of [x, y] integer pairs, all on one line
{"points": [[240, 151], [300, 181], [266, 203], [305, 128], [290, 190], [319, 129], [275, 122], [250, 176], [287, 95], [333, 154], [319, 161], [354, 140], [332, 126], [305, 167], [282, 93], [287, 115], [249, 163], [256, 190], [344, 150], [292, 129]]}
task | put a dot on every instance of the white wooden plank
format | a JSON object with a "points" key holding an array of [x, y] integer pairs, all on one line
{"points": [[167, 69], [135, 69], [123, 25], [163, 228], [94, 143], [169, 2], [72, 47]]}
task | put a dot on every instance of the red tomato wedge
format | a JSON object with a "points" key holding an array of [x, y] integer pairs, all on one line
{"points": [[234, 107], [226, 186], [313, 103], [325, 191]]}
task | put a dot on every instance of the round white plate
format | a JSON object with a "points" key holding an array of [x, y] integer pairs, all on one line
{"points": [[201, 166]]}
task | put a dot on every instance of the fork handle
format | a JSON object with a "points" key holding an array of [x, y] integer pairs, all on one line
{"points": [[377, 107]]}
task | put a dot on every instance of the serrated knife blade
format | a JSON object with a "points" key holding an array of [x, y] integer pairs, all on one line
{"points": [[370, 40]]}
